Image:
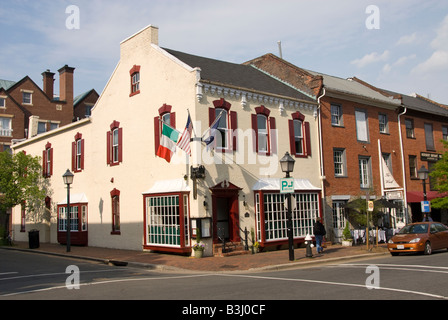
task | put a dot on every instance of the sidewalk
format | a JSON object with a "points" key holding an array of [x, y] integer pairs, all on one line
{"points": [[273, 260]]}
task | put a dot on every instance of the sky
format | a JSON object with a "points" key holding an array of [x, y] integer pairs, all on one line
{"points": [[399, 45]]}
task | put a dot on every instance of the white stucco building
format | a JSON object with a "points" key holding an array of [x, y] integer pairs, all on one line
{"points": [[124, 196]]}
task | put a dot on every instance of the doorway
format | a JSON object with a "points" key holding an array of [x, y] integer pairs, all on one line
{"points": [[226, 217]]}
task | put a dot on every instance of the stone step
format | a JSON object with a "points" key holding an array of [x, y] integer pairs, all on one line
{"points": [[231, 249]]}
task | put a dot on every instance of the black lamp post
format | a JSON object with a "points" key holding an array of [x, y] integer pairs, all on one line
{"points": [[423, 174], [68, 180], [287, 165]]}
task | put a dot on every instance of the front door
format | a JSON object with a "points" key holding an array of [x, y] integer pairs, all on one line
{"points": [[222, 218]]}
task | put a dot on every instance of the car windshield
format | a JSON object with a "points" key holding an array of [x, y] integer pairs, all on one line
{"points": [[414, 228]]}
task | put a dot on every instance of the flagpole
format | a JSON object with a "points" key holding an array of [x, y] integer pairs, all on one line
{"points": [[214, 122], [192, 126]]}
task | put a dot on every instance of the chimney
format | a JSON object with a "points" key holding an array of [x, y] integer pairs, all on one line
{"points": [[48, 78], [66, 84]]}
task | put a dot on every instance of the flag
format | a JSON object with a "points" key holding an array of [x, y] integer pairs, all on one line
{"points": [[168, 142], [213, 129], [184, 141]]}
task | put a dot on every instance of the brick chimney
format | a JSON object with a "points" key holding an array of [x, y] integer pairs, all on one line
{"points": [[66, 84], [48, 78]]}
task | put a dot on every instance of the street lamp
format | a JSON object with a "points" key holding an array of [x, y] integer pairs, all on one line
{"points": [[287, 165], [68, 180], [423, 174]]}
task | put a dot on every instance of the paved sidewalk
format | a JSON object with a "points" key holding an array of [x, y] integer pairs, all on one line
{"points": [[273, 260]]}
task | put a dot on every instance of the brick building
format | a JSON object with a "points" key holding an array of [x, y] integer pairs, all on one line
{"points": [[27, 110]]}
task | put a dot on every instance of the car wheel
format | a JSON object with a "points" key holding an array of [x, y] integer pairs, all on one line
{"points": [[428, 249]]}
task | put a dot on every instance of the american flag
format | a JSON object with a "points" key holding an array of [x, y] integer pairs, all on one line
{"points": [[184, 141]]}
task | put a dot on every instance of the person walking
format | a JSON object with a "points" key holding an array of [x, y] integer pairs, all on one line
{"points": [[319, 232]]}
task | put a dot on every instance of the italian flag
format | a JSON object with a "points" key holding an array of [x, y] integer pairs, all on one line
{"points": [[168, 142]]}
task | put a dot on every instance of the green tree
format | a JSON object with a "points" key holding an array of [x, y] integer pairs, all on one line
{"points": [[440, 176], [21, 182]]}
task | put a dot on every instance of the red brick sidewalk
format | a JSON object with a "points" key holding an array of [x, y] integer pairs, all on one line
{"points": [[265, 260]]}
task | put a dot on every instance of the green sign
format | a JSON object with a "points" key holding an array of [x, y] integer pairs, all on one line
{"points": [[287, 185]]}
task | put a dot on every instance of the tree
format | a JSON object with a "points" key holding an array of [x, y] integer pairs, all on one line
{"points": [[440, 175], [21, 183]]}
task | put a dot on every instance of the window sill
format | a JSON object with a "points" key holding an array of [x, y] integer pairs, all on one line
{"points": [[134, 93]]}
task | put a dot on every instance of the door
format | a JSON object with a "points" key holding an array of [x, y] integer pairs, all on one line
{"points": [[222, 218]]}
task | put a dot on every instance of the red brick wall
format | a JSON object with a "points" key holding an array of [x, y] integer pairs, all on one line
{"points": [[345, 137]]}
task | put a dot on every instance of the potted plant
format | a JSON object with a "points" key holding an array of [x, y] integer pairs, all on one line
{"points": [[347, 240], [198, 247], [256, 247]]}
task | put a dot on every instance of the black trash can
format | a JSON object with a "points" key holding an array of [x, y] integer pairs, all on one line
{"points": [[33, 239]]}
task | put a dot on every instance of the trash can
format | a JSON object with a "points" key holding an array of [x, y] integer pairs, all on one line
{"points": [[33, 239]]}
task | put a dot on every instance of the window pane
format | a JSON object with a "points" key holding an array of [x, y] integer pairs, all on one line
{"points": [[429, 137], [262, 133]]}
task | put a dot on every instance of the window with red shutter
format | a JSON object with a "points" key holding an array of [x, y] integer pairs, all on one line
{"points": [[114, 144], [166, 116], [264, 132], [226, 138], [299, 136]]}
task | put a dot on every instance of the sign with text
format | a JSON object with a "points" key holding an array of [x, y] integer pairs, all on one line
{"points": [[426, 207], [287, 185]]}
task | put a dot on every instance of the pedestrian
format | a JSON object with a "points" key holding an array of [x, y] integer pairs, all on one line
{"points": [[319, 233]]}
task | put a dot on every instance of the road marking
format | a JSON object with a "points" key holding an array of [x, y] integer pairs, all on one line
{"points": [[51, 274], [7, 273], [105, 282], [414, 268], [339, 284]]}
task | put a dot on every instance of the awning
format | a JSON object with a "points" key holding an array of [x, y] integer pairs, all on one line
{"points": [[166, 186], [274, 184], [75, 198], [417, 196]]}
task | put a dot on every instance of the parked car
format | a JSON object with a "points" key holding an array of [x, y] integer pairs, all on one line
{"points": [[419, 237]]}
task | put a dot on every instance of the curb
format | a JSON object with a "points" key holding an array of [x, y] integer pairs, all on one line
{"points": [[161, 267]]}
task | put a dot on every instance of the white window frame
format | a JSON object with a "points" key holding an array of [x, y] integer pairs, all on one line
{"points": [[303, 215], [3, 102], [298, 136], [263, 133], [339, 214], [115, 144], [5, 127], [365, 176], [25, 99], [78, 154], [336, 115], [340, 162], [383, 123], [222, 142]]}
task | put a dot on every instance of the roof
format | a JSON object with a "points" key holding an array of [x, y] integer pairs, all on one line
{"points": [[351, 87], [6, 84], [237, 75], [165, 186], [419, 103], [82, 96]]}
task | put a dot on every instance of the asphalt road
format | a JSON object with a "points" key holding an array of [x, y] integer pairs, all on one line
{"points": [[31, 276]]}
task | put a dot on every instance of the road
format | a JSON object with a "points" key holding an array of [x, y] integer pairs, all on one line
{"points": [[25, 276]]}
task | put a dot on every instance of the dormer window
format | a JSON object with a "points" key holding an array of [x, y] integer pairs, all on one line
{"points": [[135, 80]]}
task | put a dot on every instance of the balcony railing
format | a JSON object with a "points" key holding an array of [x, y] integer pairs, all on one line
{"points": [[6, 132]]}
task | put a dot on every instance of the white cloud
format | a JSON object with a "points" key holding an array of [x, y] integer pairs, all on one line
{"points": [[408, 39], [371, 58], [438, 61]]}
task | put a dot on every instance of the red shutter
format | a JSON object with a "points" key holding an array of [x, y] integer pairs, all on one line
{"points": [[109, 146], [254, 133], [273, 136], [51, 162], [74, 156], [234, 127], [120, 145], [82, 154], [173, 119], [291, 137], [44, 163], [308, 139], [156, 133], [211, 116]]}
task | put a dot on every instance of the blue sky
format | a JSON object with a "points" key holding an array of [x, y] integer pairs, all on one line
{"points": [[408, 53]]}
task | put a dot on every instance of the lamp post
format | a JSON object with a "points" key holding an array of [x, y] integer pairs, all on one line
{"points": [[68, 180], [423, 174], [287, 165]]}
